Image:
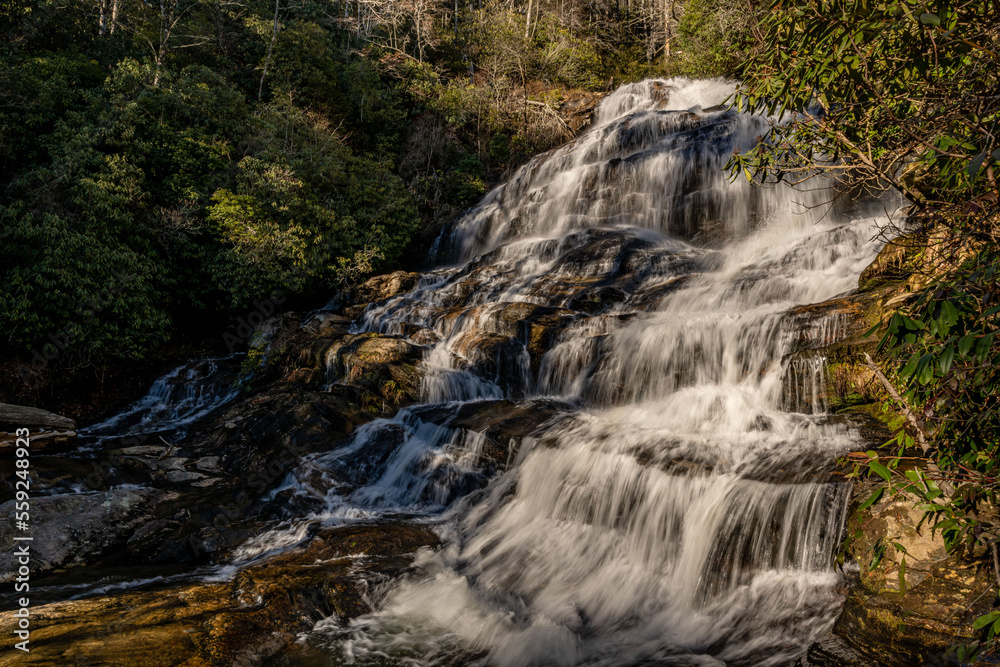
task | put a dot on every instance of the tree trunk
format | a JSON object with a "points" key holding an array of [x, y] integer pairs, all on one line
{"points": [[270, 50], [669, 9], [167, 13]]}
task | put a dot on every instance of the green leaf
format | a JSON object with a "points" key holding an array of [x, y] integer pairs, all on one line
{"points": [[946, 358], [985, 620], [926, 373], [975, 164], [948, 312], [965, 344], [880, 470], [872, 499], [983, 346]]}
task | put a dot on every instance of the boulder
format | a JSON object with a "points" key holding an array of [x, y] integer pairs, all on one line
{"points": [[379, 288], [71, 529], [578, 110], [242, 622], [19, 416]]}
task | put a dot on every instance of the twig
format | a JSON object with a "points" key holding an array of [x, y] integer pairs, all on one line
{"points": [[554, 113], [996, 562], [912, 418]]}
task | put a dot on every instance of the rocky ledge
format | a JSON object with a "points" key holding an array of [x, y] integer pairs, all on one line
{"points": [[45, 428], [239, 622], [908, 602]]}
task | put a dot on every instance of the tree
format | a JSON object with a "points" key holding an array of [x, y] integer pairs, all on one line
{"points": [[904, 94]]}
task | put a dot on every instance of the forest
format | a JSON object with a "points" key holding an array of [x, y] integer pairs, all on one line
{"points": [[165, 165]]}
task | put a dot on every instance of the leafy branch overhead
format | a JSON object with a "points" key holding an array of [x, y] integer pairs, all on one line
{"points": [[905, 95]]}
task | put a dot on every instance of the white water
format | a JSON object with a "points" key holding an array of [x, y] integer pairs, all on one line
{"points": [[173, 403], [672, 515]]}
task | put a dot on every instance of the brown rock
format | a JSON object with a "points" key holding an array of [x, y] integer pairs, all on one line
{"points": [[241, 623]]}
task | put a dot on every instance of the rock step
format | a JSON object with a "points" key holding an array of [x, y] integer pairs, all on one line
{"points": [[13, 417]]}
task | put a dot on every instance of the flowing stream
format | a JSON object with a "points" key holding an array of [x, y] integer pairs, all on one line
{"points": [[670, 506]]}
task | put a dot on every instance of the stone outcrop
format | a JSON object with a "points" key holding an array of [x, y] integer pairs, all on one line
{"points": [[45, 428], [243, 621], [151, 499], [577, 110], [70, 529], [909, 601]]}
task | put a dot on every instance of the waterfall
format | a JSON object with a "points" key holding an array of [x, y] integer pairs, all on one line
{"points": [[671, 506], [175, 402]]}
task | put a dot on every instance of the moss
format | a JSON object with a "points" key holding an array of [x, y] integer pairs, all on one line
{"points": [[253, 360]]}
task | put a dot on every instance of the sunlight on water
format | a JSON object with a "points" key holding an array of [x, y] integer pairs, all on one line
{"points": [[672, 512]]}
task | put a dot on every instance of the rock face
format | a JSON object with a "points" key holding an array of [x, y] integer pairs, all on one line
{"points": [[138, 500], [379, 288], [69, 530], [15, 416], [578, 110], [46, 428], [150, 497], [239, 622], [914, 602], [909, 601]]}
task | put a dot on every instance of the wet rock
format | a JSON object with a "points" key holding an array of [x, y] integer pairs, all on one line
{"points": [[363, 466], [891, 262], [832, 651], [379, 288], [75, 528], [181, 476], [578, 110], [241, 622], [910, 601], [503, 424], [385, 366], [208, 488], [493, 356], [310, 391], [597, 300]]}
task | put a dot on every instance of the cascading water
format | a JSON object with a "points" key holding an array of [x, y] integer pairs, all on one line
{"points": [[176, 401], [671, 507]]}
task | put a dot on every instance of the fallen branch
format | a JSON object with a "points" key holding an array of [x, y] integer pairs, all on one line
{"points": [[555, 113], [921, 438], [904, 408]]}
